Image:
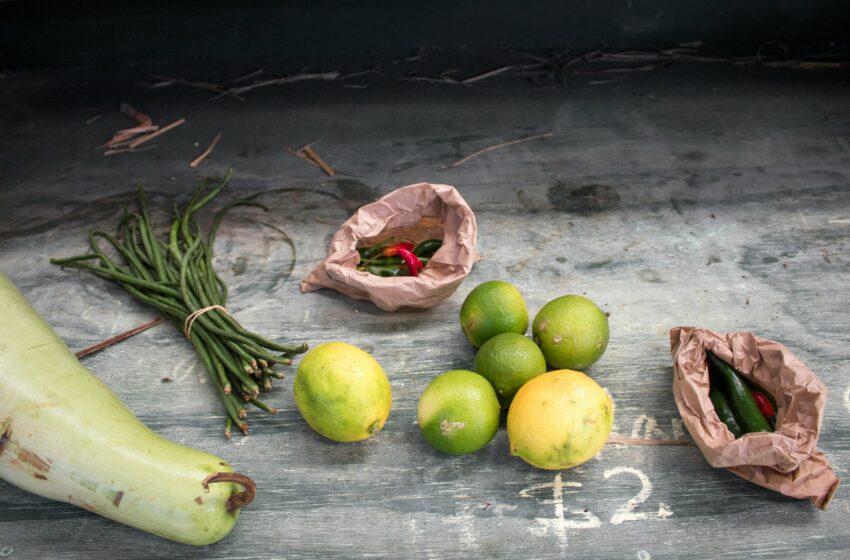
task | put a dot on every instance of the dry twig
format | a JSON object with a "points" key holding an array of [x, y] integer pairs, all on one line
{"points": [[198, 160], [118, 338], [236, 92], [312, 154], [138, 142], [308, 154], [501, 145], [486, 75], [127, 150], [245, 77], [166, 81], [144, 124]]}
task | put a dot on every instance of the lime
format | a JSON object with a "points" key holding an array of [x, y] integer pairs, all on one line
{"points": [[572, 332], [508, 361], [492, 308], [342, 392], [559, 420], [458, 412]]}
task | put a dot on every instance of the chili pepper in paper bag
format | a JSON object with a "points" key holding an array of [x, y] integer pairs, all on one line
{"points": [[741, 402], [786, 460]]}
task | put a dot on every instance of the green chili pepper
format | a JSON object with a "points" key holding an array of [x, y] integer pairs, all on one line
{"points": [[388, 270], [740, 399], [388, 261], [724, 411], [427, 247]]}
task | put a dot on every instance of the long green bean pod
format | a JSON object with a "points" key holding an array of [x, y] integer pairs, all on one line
{"points": [[173, 272]]}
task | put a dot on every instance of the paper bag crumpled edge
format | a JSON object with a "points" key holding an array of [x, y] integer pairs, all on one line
{"points": [[786, 460]]}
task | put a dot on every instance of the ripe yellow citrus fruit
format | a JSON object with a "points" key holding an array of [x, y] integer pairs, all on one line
{"points": [[342, 392], [508, 361], [572, 332], [559, 420], [493, 308], [458, 413]]}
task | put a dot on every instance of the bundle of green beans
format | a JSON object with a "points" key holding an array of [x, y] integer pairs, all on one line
{"points": [[174, 274]]}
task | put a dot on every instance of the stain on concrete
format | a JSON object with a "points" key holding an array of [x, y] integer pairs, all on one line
{"points": [[692, 156], [450, 140], [352, 189], [240, 266], [649, 275], [587, 199], [89, 213], [682, 204], [440, 160]]}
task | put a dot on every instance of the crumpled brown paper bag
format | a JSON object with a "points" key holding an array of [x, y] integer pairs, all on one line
{"points": [[786, 460], [415, 212]]}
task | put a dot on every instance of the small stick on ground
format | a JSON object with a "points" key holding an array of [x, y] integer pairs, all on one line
{"points": [[128, 150], [246, 77], [301, 155], [308, 154], [144, 124], [486, 75], [118, 338], [327, 76], [501, 145], [311, 153], [152, 135], [215, 88], [94, 118], [197, 161]]}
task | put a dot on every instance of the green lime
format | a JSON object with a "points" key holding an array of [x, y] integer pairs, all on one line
{"points": [[571, 331], [342, 392], [508, 361], [492, 308], [458, 412]]}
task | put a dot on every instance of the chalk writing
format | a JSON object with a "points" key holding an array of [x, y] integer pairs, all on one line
{"points": [[565, 518], [627, 512], [646, 427]]}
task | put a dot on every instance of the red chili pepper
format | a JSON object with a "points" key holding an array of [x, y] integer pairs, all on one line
{"points": [[764, 404], [393, 250], [412, 261]]}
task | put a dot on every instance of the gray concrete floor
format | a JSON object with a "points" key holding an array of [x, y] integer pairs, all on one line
{"points": [[706, 195]]}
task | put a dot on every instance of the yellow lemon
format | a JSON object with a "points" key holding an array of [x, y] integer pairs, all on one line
{"points": [[342, 392], [559, 420]]}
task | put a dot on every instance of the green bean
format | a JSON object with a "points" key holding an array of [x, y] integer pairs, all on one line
{"points": [[173, 272]]}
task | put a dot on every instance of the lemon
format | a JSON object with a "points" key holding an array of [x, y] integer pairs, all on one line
{"points": [[458, 413], [492, 308], [508, 361], [572, 332], [559, 420], [342, 392]]}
